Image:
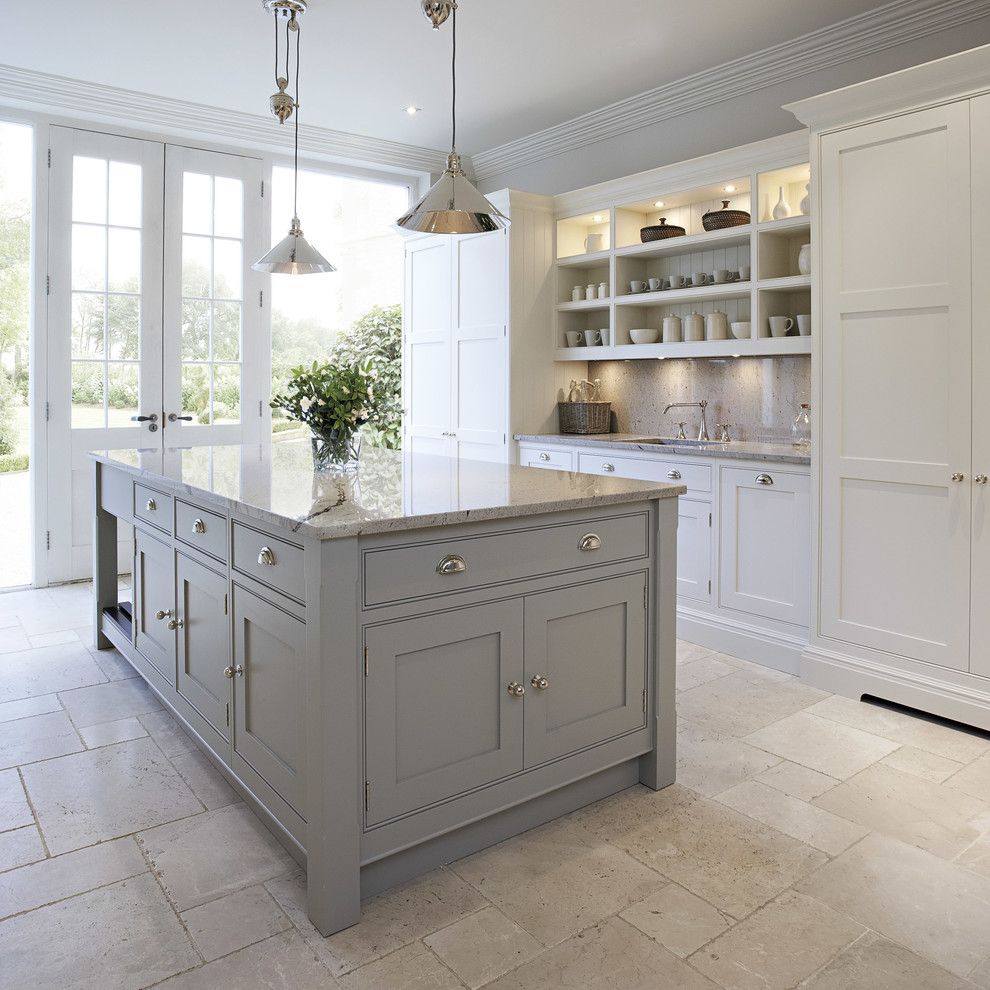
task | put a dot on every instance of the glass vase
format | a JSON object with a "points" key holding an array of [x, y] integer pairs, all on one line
{"points": [[336, 452]]}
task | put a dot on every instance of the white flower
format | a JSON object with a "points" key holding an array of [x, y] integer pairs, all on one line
{"points": [[305, 402], [373, 373]]}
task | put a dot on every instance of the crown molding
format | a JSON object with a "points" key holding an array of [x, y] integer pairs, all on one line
{"points": [[886, 27], [954, 77], [60, 96]]}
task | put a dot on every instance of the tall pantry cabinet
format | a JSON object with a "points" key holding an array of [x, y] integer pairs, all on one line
{"points": [[902, 371]]}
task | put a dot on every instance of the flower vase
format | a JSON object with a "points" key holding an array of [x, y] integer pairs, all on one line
{"points": [[781, 210], [336, 452], [805, 205]]}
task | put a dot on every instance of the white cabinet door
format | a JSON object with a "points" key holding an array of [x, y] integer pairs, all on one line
{"points": [[896, 393], [694, 549], [765, 543]]}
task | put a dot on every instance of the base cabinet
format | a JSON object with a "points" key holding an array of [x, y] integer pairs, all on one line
{"points": [[694, 549], [154, 595]]}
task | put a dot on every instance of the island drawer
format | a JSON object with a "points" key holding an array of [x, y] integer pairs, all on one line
{"points": [[393, 574], [201, 528], [153, 507], [269, 560], [697, 477], [554, 458]]}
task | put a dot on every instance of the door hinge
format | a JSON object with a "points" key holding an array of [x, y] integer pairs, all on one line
{"points": [[367, 793], [225, 604], [226, 709], [709, 519], [261, 298], [48, 539], [644, 701], [49, 157], [646, 597], [709, 586], [260, 413], [366, 661], [48, 285], [48, 412], [262, 188]]}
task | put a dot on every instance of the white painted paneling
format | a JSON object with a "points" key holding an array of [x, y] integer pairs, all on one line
{"points": [[694, 549]]}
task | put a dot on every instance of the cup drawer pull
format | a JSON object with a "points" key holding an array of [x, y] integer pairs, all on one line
{"points": [[199, 526], [451, 564], [266, 556], [764, 479], [590, 541], [608, 467], [674, 475], [151, 505], [544, 456]]}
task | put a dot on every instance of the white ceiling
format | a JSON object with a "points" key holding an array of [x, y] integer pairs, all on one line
{"points": [[523, 64]]}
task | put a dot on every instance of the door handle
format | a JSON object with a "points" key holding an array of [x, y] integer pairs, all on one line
{"points": [[175, 418], [151, 420]]}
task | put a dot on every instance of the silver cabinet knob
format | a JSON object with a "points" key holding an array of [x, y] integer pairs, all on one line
{"points": [[540, 682], [608, 467], [199, 526], [544, 456], [958, 477], [266, 556], [228, 672], [151, 505], [515, 689], [590, 541], [764, 479], [980, 479], [174, 624], [674, 475], [237, 671], [453, 563], [163, 613]]}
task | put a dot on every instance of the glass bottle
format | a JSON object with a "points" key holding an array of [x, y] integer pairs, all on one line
{"points": [[801, 427]]}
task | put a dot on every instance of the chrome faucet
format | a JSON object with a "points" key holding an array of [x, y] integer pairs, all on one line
{"points": [[702, 405]]}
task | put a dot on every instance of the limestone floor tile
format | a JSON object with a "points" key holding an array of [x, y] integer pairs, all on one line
{"points": [[15, 812], [794, 817], [118, 937], [19, 847], [54, 638], [235, 921], [201, 858], [282, 962], [55, 668], [109, 702], [106, 792], [937, 908], [13, 639], [702, 671], [111, 663], [917, 811], [40, 737], [879, 964], [796, 780], [689, 652], [40, 705], [919, 763], [38, 621], [709, 762], [909, 730], [108, 733], [973, 779], [610, 956], [172, 739], [821, 744], [739, 704], [413, 967], [74, 873], [557, 880], [975, 856], [483, 946], [731, 861], [980, 976], [778, 946], [629, 810], [677, 919], [205, 780]]}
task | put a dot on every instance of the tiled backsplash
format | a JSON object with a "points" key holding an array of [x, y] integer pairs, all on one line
{"points": [[758, 396]]}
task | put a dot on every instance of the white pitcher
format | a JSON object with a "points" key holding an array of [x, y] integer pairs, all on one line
{"points": [[594, 242]]}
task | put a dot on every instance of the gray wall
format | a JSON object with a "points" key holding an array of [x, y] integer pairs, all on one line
{"points": [[724, 125]]}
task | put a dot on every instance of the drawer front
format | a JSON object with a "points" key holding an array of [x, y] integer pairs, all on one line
{"points": [[153, 507], [281, 567], [555, 458], [697, 477], [201, 528], [401, 573]]}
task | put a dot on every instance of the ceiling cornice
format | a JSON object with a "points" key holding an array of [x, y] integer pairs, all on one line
{"points": [[73, 98], [894, 24]]}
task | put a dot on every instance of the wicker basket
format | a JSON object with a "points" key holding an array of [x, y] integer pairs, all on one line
{"points": [[720, 219], [584, 417], [660, 232]]}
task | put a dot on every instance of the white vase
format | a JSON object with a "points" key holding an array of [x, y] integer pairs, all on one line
{"points": [[804, 259], [805, 205], [781, 210]]}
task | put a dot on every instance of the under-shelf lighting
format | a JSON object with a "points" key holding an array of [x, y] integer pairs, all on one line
{"points": [[412, 110], [659, 204], [597, 218], [729, 188]]}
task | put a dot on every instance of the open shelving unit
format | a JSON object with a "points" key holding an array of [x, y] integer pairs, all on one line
{"points": [[768, 248]]}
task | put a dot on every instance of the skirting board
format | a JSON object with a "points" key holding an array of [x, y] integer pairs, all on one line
{"points": [[763, 646], [854, 677]]}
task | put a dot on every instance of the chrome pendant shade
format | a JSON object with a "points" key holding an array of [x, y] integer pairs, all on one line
{"points": [[453, 205], [293, 255]]}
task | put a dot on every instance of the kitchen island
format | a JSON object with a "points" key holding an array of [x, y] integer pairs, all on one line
{"points": [[399, 667]]}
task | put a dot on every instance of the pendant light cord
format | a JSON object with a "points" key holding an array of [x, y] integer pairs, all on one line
{"points": [[453, 80], [295, 148], [276, 48]]}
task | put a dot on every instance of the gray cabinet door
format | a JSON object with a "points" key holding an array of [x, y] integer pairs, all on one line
{"points": [[269, 695], [439, 716], [154, 591], [201, 597], [589, 643]]}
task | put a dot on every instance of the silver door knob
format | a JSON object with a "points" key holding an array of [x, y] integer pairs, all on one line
{"points": [[980, 479], [163, 613], [540, 682], [674, 475], [453, 563], [590, 541], [608, 467], [515, 689], [544, 456], [764, 479], [174, 624], [151, 505], [958, 477], [199, 526], [266, 556]]}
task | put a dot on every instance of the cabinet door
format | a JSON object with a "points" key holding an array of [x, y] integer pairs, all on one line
{"points": [[439, 718], [765, 543], [203, 640], [694, 549], [589, 644], [154, 591], [269, 695], [896, 371]]}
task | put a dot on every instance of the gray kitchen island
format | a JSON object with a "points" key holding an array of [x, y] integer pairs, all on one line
{"points": [[400, 667]]}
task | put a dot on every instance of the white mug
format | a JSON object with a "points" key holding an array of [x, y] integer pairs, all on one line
{"points": [[655, 284], [700, 278], [723, 275], [637, 286], [672, 330], [592, 338], [744, 272], [677, 281], [780, 326], [574, 338], [606, 336], [804, 324]]}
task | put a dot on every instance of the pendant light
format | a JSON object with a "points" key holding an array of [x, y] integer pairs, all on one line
{"points": [[453, 205], [293, 255]]}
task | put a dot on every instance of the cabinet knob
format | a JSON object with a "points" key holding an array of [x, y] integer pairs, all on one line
{"points": [[590, 541], [163, 613], [199, 526], [266, 556], [540, 682], [515, 689], [151, 505], [174, 624], [764, 479], [674, 475], [608, 467], [228, 672], [980, 479], [453, 563], [957, 477], [544, 456], [231, 672]]}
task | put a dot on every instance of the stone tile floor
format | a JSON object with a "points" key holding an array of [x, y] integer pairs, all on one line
{"points": [[810, 841]]}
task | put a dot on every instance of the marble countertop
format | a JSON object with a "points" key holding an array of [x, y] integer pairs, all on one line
{"points": [[779, 452], [392, 491]]}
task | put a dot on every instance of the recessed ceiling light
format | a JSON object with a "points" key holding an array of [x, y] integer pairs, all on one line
{"points": [[412, 110], [658, 203], [729, 188], [597, 218]]}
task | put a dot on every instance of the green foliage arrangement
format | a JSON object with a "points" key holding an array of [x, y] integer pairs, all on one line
{"points": [[8, 426]]}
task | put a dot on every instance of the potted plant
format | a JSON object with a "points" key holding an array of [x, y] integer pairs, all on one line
{"points": [[333, 400]]}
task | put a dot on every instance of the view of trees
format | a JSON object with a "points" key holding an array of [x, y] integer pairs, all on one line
{"points": [[15, 234]]}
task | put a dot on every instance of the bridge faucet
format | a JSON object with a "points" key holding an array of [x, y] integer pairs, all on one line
{"points": [[702, 405]]}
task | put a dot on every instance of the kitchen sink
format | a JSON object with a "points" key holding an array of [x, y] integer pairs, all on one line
{"points": [[671, 442]]}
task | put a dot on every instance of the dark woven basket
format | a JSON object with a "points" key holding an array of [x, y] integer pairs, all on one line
{"points": [[660, 232], [584, 417], [720, 219]]}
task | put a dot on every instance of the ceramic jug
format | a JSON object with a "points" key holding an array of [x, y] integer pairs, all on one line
{"points": [[594, 242], [804, 259], [717, 326]]}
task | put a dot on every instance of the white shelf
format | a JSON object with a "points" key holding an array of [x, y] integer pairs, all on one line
{"points": [[788, 224], [704, 348], [596, 260], [730, 237], [569, 307], [700, 293], [787, 284]]}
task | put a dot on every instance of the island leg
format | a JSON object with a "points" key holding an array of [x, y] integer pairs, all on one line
{"points": [[657, 768], [104, 559]]}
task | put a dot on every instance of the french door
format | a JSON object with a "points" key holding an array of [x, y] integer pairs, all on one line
{"points": [[154, 316]]}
